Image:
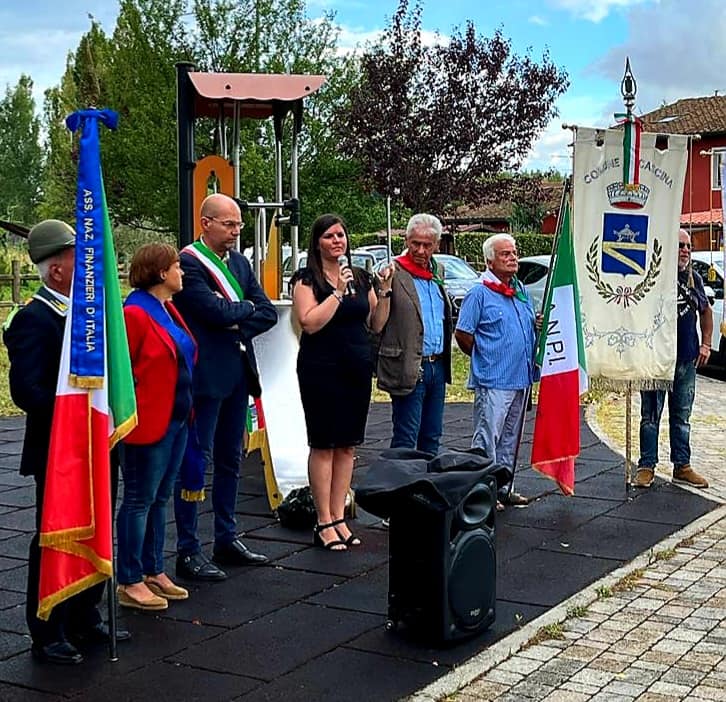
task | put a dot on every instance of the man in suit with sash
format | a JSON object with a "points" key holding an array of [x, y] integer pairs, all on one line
{"points": [[225, 308]]}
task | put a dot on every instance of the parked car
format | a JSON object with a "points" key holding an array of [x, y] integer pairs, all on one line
{"points": [[709, 265], [380, 252], [361, 259], [532, 273], [459, 278]]}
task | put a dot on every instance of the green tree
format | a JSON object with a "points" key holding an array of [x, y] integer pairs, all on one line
{"points": [[82, 86], [140, 157], [132, 71], [21, 156], [440, 122], [275, 36]]}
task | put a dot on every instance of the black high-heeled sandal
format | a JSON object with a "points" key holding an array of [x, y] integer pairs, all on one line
{"points": [[352, 540], [330, 545]]}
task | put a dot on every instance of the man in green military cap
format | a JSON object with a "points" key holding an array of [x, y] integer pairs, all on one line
{"points": [[34, 339]]}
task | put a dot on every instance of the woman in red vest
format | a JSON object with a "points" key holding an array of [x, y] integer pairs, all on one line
{"points": [[163, 353]]}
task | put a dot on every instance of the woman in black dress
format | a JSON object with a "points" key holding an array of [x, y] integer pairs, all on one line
{"points": [[335, 306]]}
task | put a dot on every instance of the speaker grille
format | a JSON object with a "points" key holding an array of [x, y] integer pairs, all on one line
{"points": [[472, 578]]}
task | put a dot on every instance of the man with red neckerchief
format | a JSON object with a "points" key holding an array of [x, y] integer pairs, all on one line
{"points": [[496, 327], [414, 357]]}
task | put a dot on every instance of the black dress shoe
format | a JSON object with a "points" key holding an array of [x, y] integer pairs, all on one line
{"points": [[58, 652], [236, 554], [98, 634], [198, 567]]}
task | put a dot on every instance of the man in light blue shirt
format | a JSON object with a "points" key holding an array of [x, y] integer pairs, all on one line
{"points": [[496, 327]]}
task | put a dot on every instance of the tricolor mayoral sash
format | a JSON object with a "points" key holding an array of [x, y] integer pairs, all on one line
{"points": [[228, 285], [626, 252]]}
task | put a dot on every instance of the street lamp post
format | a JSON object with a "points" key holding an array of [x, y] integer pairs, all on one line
{"points": [[396, 192]]}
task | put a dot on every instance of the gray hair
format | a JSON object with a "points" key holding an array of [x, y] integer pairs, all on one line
{"points": [[488, 246], [424, 221], [44, 266]]}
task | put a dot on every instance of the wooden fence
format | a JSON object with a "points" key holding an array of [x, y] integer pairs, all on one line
{"points": [[15, 279]]}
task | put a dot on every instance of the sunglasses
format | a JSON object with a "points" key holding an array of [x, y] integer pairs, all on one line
{"points": [[684, 245]]}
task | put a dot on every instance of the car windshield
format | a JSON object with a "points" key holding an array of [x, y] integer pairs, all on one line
{"points": [[364, 261], [456, 268], [530, 272], [361, 260], [379, 253]]}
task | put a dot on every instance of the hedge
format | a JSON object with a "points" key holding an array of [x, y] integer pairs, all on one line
{"points": [[468, 246]]}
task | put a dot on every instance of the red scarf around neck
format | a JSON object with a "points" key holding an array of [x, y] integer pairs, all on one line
{"points": [[506, 290], [499, 287], [410, 266]]}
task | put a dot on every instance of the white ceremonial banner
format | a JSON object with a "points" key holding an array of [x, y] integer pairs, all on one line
{"points": [[626, 252]]}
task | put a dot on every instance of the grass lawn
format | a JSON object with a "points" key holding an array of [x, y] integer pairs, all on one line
{"points": [[7, 407], [456, 392]]}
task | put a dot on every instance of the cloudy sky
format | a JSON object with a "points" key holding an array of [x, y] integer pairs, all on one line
{"points": [[676, 48]]}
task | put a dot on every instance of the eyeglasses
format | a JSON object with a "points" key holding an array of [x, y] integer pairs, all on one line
{"points": [[229, 223], [507, 254], [684, 245]]}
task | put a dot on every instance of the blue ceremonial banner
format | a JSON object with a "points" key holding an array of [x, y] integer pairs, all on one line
{"points": [[87, 362]]}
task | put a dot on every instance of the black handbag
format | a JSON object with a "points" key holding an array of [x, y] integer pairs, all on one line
{"points": [[297, 510]]}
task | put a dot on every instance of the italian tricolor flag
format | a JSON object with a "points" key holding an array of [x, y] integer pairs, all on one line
{"points": [[95, 403], [561, 357], [632, 127]]}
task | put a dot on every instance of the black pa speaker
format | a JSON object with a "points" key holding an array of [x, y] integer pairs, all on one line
{"points": [[442, 568]]}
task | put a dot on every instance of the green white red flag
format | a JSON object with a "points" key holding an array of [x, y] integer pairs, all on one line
{"points": [[632, 127], [561, 357], [95, 403]]}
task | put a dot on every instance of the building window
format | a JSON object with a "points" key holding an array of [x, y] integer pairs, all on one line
{"points": [[718, 158]]}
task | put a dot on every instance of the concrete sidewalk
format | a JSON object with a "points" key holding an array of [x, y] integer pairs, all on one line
{"points": [[654, 630]]}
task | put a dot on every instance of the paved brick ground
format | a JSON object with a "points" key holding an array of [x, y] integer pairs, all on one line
{"points": [[662, 638]]}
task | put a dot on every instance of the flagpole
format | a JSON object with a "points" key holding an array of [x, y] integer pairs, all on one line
{"points": [[114, 467], [556, 239], [520, 434], [111, 600], [628, 88], [628, 436], [528, 389]]}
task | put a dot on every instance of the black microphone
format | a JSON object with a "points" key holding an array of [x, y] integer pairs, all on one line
{"points": [[343, 262]]}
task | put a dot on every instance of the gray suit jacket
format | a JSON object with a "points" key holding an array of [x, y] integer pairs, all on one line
{"points": [[401, 341]]}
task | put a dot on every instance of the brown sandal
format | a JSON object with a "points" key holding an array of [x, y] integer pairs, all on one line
{"points": [[127, 600]]}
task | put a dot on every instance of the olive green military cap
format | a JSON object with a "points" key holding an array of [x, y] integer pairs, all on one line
{"points": [[48, 238]]}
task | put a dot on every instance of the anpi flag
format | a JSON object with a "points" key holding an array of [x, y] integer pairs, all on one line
{"points": [[95, 404], [561, 356]]}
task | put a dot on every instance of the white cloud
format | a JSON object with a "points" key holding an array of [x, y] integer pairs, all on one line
{"points": [[551, 149], [36, 35], [676, 50], [354, 39], [539, 21], [595, 10]]}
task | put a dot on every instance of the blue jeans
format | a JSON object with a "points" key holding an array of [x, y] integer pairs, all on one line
{"points": [[220, 425], [680, 403], [418, 416], [149, 472]]}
